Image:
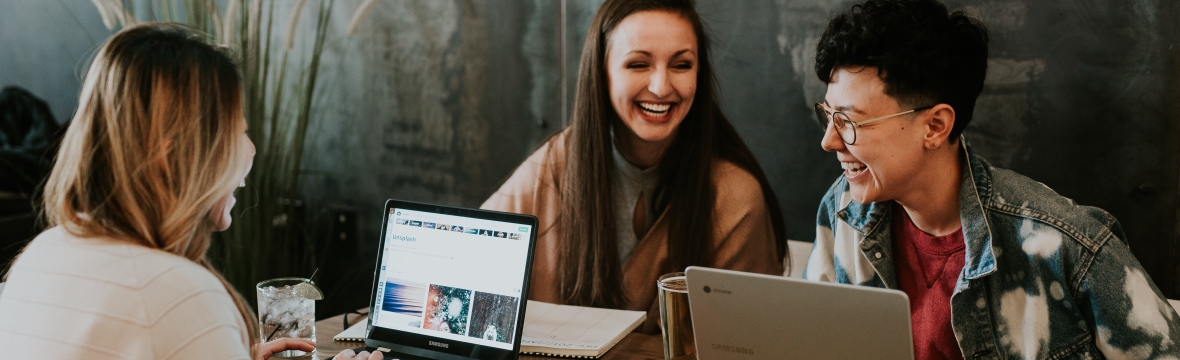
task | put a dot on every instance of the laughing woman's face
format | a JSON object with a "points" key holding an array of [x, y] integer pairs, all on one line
{"points": [[652, 70]]}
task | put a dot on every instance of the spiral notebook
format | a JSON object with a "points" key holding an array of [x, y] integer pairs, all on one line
{"points": [[558, 330], [575, 331]]}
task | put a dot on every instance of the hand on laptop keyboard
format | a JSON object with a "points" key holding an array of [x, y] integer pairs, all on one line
{"points": [[348, 354], [267, 349]]}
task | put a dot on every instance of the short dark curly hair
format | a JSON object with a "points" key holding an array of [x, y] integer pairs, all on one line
{"points": [[924, 53]]}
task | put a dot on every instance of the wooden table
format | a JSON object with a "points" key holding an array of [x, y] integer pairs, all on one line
{"points": [[635, 346]]}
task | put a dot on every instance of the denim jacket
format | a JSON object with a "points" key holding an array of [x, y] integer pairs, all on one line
{"points": [[1044, 277]]}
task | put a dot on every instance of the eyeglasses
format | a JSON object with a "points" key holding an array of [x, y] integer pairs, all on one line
{"points": [[845, 126]]}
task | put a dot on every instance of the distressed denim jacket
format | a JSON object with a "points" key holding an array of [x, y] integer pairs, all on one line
{"points": [[1044, 277]]}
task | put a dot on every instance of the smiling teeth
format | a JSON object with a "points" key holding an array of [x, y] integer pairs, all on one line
{"points": [[654, 109], [852, 167]]}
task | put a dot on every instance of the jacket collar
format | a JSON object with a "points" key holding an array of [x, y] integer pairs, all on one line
{"points": [[974, 191]]}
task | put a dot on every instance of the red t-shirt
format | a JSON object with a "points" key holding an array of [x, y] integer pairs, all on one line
{"points": [[927, 268]]}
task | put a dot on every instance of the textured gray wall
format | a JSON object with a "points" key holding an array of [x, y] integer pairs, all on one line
{"points": [[45, 47], [440, 100], [432, 101]]}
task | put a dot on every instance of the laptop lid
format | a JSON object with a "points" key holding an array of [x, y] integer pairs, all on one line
{"points": [[740, 315], [450, 282]]}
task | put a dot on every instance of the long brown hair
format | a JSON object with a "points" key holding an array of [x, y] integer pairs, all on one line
{"points": [[592, 273], [153, 146]]}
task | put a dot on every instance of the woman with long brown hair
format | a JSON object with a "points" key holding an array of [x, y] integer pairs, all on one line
{"points": [[650, 177], [146, 172]]}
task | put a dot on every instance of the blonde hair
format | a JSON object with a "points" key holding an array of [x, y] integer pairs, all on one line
{"points": [[153, 147]]}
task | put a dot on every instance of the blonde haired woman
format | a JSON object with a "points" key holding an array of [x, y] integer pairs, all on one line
{"points": [[146, 172]]}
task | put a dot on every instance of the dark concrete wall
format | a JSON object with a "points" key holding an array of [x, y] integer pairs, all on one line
{"points": [[440, 100], [433, 101], [46, 46]]}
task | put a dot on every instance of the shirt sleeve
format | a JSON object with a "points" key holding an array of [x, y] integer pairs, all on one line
{"points": [[199, 322], [745, 234], [1130, 316], [517, 194], [821, 264]]}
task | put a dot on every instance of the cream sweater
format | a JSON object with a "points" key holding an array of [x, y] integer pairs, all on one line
{"points": [[76, 298]]}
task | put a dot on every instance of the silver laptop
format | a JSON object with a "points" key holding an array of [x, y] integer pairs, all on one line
{"points": [[450, 282], [740, 315]]}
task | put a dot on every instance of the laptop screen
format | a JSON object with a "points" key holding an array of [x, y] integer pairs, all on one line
{"points": [[452, 277]]}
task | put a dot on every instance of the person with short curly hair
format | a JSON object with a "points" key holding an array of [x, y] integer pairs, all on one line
{"points": [[996, 265]]}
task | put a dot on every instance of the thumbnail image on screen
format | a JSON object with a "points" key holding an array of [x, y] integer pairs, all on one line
{"points": [[493, 317], [405, 300], [447, 309]]}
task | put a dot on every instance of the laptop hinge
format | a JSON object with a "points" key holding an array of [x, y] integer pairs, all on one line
{"points": [[384, 350]]}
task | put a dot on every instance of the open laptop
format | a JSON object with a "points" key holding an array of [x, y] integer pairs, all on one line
{"points": [[740, 315], [450, 282]]}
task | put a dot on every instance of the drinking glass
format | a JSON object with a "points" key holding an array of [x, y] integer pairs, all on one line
{"points": [[283, 313], [675, 320]]}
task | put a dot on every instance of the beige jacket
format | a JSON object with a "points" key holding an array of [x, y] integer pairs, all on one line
{"points": [[743, 234]]}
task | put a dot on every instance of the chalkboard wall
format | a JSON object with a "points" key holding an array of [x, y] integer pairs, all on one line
{"points": [[440, 100]]}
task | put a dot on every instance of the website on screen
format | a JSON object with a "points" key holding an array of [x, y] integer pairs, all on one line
{"points": [[452, 277]]}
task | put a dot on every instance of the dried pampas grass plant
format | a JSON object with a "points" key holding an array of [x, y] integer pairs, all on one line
{"points": [[358, 17]]}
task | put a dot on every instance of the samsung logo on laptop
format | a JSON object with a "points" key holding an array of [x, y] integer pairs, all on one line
{"points": [[440, 344], [405, 238], [710, 290], [733, 349]]}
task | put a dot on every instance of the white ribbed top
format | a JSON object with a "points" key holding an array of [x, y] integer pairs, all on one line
{"points": [[90, 298]]}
